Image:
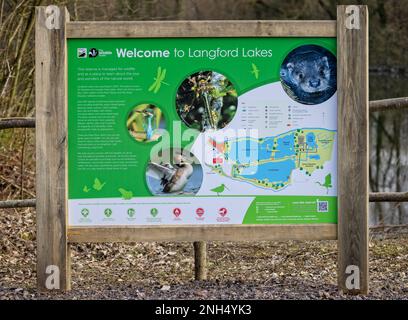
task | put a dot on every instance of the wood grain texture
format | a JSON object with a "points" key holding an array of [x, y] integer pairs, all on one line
{"points": [[200, 260], [233, 28], [352, 60], [50, 101], [400, 104], [202, 233]]}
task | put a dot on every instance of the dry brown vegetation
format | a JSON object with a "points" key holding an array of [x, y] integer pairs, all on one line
{"points": [[261, 270]]}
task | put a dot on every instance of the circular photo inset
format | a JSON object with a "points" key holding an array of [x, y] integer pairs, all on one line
{"points": [[146, 123], [206, 100], [309, 75], [174, 172]]}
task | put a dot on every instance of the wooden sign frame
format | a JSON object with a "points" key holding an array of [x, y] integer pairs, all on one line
{"points": [[53, 233]]}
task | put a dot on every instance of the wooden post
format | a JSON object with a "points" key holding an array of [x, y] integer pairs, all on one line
{"points": [[53, 267], [352, 52], [200, 260]]}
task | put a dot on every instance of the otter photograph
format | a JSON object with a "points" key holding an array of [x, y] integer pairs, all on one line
{"points": [[174, 172], [146, 123], [206, 100], [308, 74]]}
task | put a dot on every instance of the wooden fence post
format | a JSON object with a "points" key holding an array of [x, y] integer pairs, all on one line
{"points": [[352, 52], [53, 257], [200, 260]]}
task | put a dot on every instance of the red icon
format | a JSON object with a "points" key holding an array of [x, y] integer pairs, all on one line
{"points": [[176, 212], [200, 211], [223, 212]]}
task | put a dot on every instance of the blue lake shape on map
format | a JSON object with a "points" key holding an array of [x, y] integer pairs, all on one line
{"points": [[273, 171], [243, 151], [285, 146], [311, 140], [314, 157], [265, 149]]}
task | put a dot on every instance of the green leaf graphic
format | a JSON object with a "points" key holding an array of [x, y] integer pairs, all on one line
{"points": [[126, 195], [98, 185], [86, 189]]}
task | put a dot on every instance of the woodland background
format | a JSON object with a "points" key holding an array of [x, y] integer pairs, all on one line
{"points": [[388, 76]]}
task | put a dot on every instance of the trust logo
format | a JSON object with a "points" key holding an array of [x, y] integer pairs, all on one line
{"points": [[82, 52]]}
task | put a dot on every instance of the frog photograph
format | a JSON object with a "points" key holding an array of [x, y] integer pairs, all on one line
{"points": [[146, 123]]}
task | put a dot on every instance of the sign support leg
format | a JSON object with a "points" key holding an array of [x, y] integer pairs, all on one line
{"points": [[53, 256], [200, 260], [352, 52]]}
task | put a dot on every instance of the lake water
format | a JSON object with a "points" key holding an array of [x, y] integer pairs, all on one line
{"points": [[273, 171]]}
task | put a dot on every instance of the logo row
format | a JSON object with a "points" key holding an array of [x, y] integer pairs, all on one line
{"points": [[154, 212]]}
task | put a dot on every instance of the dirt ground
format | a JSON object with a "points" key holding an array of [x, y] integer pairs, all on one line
{"points": [[261, 270]]}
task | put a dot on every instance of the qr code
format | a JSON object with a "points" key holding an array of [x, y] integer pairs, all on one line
{"points": [[322, 206]]}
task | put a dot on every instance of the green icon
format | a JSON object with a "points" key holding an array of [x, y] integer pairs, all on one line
{"points": [[255, 71], [85, 212], [158, 80], [86, 189], [220, 189], [131, 212], [126, 195], [108, 212], [98, 185], [154, 212], [327, 182]]}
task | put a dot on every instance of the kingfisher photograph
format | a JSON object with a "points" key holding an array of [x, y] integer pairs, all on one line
{"points": [[146, 123]]}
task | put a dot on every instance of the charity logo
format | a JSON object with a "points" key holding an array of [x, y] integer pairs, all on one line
{"points": [[107, 212], [200, 212], [93, 53], [81, 52], [131, 212], [154, 212], [85, 212], [223, 212], [177, 212]]}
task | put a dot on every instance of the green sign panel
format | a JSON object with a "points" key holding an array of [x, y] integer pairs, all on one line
{"points": [[202, 131]]}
